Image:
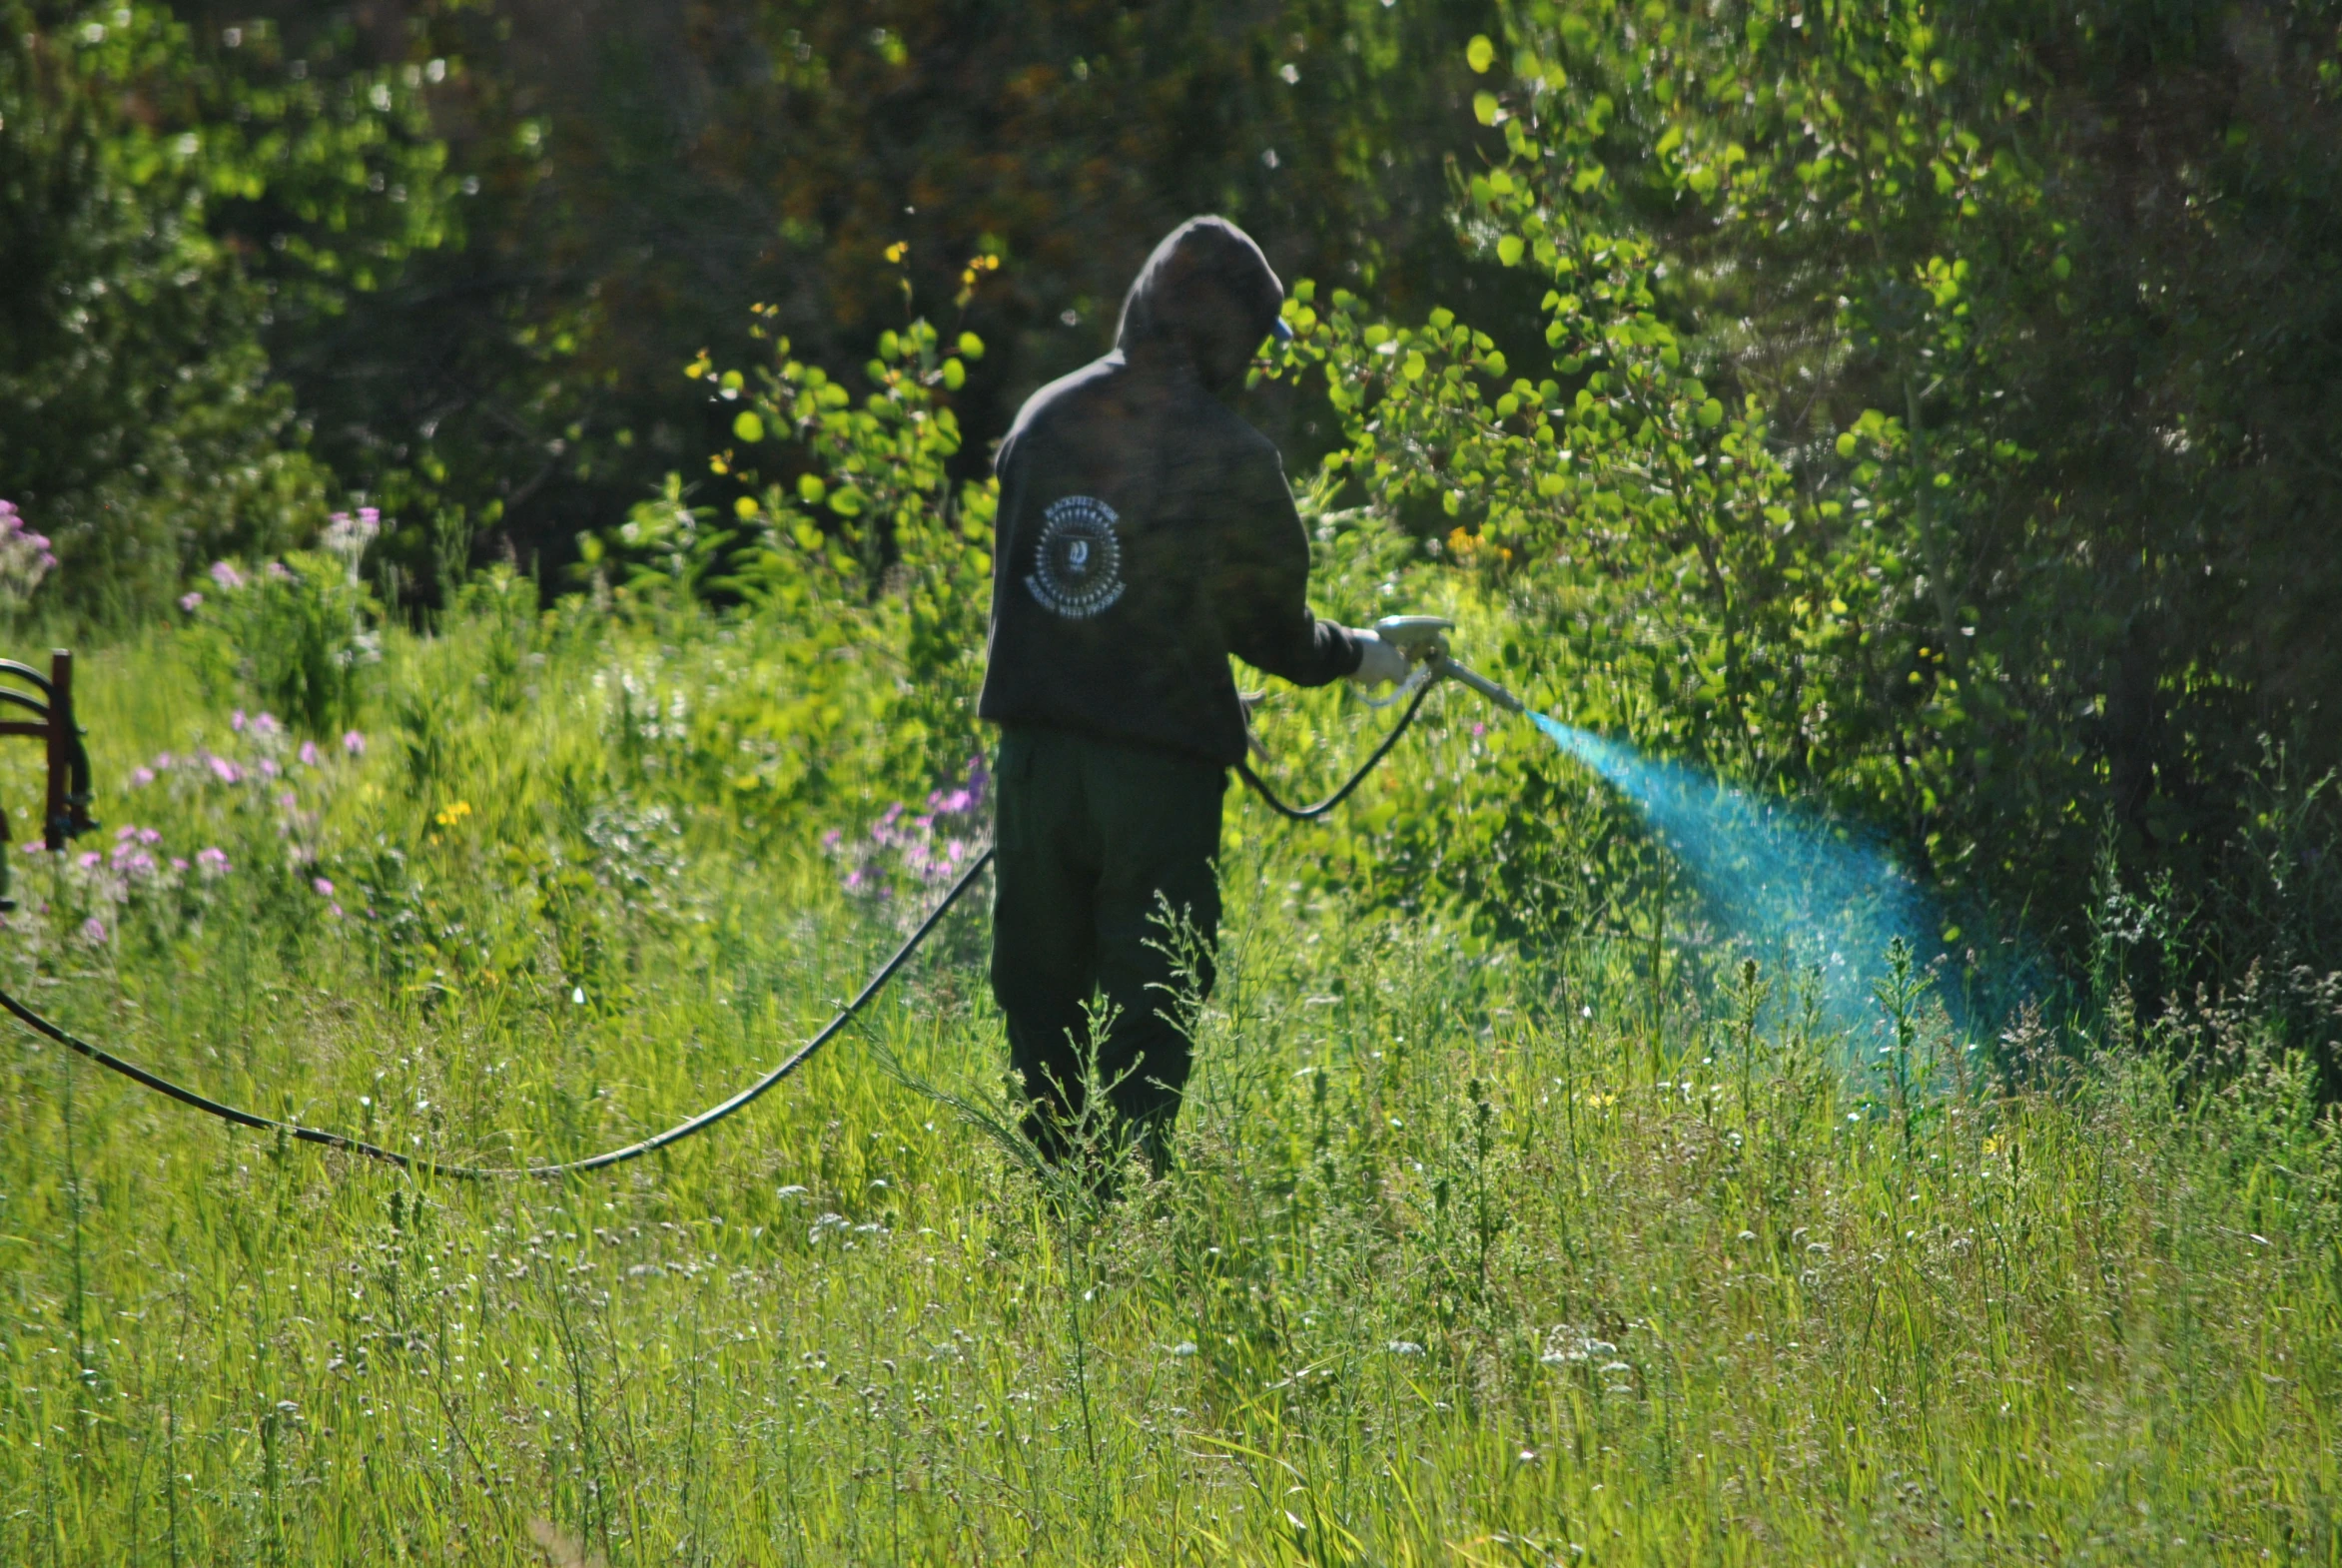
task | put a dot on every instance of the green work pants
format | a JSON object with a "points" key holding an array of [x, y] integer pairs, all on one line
{"points": [[1094, 845]]}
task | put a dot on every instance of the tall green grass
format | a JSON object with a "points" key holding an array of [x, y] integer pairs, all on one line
{"points": [[1473, 1255]]}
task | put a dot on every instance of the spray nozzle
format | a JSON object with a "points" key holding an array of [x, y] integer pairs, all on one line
{"points": [[1423, 639]]}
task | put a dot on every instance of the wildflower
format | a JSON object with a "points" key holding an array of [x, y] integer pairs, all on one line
{"points": [[324, 888], [225, 771], [189, 601], [831, 838], [93, 931], [345, 537], [455, 814], [89, 860], [266, 724], [211, 862], [177, 864], [354, 743], [309, 753], [287, 800], [269, 768], [227, 577], [278, 572], [165, 762], [150, 834], [334, 910], [140, 778], [237, 721]]}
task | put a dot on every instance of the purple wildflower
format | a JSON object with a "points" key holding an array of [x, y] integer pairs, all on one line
{"points": [[237, 721], [93, 931], [278, 572], [177, 864], [309, 753], [226, 772], [268, 768], [266, 724], [227, 577], [189, 601], [211, 862], [324, 888], [89, 860], [354, 743], [141, 777]]}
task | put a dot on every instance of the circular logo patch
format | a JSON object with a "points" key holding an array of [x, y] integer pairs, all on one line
{"points": [[1078, 565]]}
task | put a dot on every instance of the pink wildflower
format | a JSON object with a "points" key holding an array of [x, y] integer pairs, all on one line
{"points": [[141, 777], [226, 772], [354, 743], [93, 931], [225, 575], [237, 721], [324, 888], [189, 601], [309, 753], [211, 862]]}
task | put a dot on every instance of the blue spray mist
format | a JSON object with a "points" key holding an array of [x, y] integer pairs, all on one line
{"points": [[1796, 891]]}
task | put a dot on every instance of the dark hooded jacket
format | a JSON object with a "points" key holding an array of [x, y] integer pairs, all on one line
{"points": [[1145, 533]]}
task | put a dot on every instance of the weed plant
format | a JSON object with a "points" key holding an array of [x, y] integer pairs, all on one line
{"points": [[1469, 1250]]}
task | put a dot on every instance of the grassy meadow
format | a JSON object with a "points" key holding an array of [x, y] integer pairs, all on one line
{"points": [[1475, 1255]]}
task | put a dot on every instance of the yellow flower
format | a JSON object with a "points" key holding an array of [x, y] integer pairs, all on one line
{"points": [[455, 814]]}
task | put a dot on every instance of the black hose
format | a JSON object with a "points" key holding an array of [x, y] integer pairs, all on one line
{"points": [[1313, 813], [417, 1165]]}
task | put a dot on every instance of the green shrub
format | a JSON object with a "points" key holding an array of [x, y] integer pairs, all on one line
{"points": [[294, 634]]}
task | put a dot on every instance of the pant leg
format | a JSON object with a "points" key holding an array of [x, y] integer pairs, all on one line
{"points": [[1159, 820], [1044, 944]]}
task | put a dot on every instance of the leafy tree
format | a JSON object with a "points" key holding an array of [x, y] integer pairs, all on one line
{"points": [[1895, 455], [159, 201]]}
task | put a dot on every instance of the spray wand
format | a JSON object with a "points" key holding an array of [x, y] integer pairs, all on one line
{"points": [[1423, 639]]}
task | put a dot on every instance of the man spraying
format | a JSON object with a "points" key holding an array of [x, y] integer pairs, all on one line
{"points": [[1146, 534]]}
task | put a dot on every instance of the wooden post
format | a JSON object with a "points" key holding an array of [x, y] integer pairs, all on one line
{"points": [[60, 737]]}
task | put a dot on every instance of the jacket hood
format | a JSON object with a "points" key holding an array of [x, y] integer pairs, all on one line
{"points": [[1206, 296]]}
